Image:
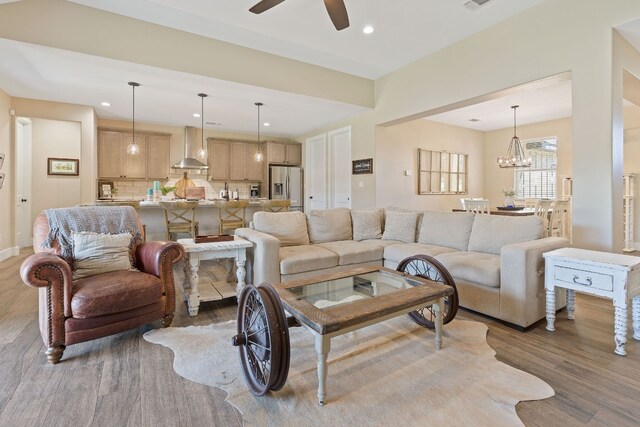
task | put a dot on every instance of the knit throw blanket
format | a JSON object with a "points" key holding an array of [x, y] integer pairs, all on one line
{"points": [[96, 219]]}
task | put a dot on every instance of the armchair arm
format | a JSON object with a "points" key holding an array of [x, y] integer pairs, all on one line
{"points": [[157, 258], [522, 295], [52, 275], [264, 257]]}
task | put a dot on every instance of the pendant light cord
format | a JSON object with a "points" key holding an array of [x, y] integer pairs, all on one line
{"points": [[514, 119]]}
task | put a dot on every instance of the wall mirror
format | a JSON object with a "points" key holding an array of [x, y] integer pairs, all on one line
{"points": [[442, 172]]}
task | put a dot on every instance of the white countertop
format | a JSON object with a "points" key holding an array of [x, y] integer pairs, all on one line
{"points": [[203, 203]]}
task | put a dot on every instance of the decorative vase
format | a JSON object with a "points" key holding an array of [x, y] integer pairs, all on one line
{"points": [[509, 202]]}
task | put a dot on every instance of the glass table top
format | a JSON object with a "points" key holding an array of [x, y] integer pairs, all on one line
{"points": [[346, 290]]}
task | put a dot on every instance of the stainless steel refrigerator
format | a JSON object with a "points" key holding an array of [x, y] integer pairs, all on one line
{"points": [[285, 182]]}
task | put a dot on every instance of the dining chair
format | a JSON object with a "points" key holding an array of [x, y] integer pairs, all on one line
{"points": [[530, 203], [542, 209], [477, 206], [463, 201], [557, 225], [180, 217], [231, 214]]}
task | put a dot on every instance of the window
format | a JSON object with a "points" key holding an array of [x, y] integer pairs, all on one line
{"points": [[442, 172], [539, 180]]}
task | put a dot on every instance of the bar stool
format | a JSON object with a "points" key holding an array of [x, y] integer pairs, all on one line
{"points": [[180, 217], [275, 205], [231, 214]]}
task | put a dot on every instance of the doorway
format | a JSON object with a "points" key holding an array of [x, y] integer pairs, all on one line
{"points": [[23, 146]]}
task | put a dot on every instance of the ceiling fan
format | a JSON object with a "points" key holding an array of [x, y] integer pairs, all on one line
{"points": [[336, 9]]}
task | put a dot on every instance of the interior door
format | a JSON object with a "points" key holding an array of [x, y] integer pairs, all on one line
{"points": [[340, 168], [23, 182], [315, 172]]}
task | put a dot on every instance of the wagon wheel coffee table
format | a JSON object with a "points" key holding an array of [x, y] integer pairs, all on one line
{"points": [[333, 305]]}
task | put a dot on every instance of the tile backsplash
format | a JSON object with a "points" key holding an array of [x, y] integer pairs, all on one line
{"points": [[137, 189]]}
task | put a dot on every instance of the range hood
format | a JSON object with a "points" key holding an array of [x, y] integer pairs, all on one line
{"points": [[190, 137]]}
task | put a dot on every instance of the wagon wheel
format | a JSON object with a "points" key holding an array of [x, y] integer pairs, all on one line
{"points": [[260, 340], [429, 268], [283, 328]]}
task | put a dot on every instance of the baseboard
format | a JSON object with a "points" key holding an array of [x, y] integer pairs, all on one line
{"points": [[9, 252]]}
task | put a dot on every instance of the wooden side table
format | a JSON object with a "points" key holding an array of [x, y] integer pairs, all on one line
{"points": [[603, 274], [196, 252]]}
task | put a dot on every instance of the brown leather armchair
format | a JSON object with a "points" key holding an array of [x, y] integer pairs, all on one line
{"points": [[74, 311]]}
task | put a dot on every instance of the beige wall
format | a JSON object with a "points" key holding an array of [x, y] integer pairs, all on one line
{"points": [[397, 151], [6, 193], [54, 138], [497, 142]]}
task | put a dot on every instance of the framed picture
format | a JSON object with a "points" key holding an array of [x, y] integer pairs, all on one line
{"points": [[57, 166], [105, 189], [362, 166]]}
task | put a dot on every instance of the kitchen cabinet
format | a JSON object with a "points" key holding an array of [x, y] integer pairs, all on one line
{"points": [[218, 159], [151, 163], [283, 153], [242, 163]]}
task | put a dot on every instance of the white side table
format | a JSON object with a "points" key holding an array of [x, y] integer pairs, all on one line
{"points": [[196, 252], [603, 274]]}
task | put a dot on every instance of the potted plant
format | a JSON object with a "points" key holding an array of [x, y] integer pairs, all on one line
{"points": [[509, 194], [165, 192]]}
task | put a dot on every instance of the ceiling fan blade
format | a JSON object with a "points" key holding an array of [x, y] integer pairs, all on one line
{"points": [[263, 5], [338, 13]]}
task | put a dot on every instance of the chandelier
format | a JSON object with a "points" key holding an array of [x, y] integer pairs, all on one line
{"points": [[516, 155]]}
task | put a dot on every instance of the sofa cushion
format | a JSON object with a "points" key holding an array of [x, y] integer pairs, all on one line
{"points": [[400, 226], [491, 232], [351, 252], [114, 292], [476, 267], [382, 243], [329, 225], [298, 259], [97, 253], [367, 224], [397, 252], [288, 227], [450, 229], [397, 209]]}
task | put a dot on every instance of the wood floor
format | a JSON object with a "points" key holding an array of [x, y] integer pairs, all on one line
{"points": [[125, 381]]}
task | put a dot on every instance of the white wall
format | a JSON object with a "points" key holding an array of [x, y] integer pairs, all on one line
{"points": [[53, 138], [397, 151], [6, 193]]}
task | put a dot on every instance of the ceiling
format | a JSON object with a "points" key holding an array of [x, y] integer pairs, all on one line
{"points": [[297, 29]]}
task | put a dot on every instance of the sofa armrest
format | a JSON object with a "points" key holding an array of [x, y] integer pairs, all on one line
{"points": [[264, 256], [53, 276], [157, 258], [522, 295]]}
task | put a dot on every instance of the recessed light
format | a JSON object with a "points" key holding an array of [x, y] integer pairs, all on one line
{"points": [[196, 114], [214, 123], [105, 104], [267, 124], [368, 29], [474, 120]]}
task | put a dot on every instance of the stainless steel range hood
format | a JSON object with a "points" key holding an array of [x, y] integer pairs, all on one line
{"points": [[190, 138]]}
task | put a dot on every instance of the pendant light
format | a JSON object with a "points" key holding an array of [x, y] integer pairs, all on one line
{"points": [[202, 152], [133, 148], [258, 155], [516, 155]]}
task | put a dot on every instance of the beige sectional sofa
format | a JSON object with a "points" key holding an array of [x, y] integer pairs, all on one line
{"points": [[496, 261]]}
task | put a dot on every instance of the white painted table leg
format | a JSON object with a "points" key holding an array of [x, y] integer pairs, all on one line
{"points": [[620, 327], [240, 272], [323, 346], [551, 309], [186, 284], [193, 296], [437, 308], [635, 313], [571, 304]]}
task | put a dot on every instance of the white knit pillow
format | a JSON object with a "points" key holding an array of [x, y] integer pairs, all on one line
{"points": [[400, 226], [367, 224]]}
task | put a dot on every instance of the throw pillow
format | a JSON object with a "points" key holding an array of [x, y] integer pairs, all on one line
{"points": [[96, 253], [367, 224], [289, 227], [400, 226], [329, 225]]}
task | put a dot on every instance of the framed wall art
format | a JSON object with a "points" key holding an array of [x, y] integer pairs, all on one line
{"points": [[362, 166], [57, 166]]}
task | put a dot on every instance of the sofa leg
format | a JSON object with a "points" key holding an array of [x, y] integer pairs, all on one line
{"points": [[166, 320], [54, 354]]}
